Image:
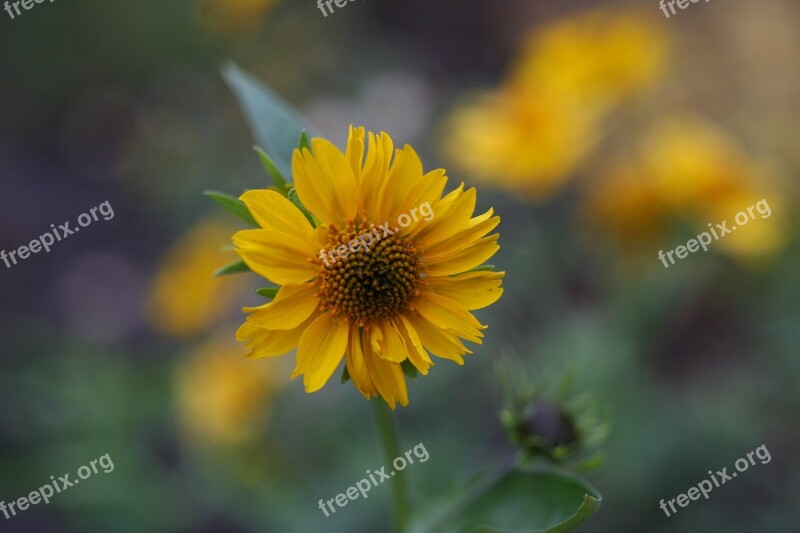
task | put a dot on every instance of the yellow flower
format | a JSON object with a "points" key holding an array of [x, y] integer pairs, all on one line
{"points": [[222, 398], [530, 135], [521, 139], [598, 57], [686, 169], [398, 299], [184, 297]]}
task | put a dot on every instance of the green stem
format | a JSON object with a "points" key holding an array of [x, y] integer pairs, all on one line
{"points": [[388, 437]]}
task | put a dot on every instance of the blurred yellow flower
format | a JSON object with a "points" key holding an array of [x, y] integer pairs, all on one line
{"points": [[405, 294], [531, 134], [598, 57], [184, 298], [233, 15], [686, 169], [522, 140], [221, 397]]}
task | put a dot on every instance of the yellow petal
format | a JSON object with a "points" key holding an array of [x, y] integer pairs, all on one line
{"points": [[355, 150], [451, 214], [357, 367], [271, 343], [404, 175], [450, 316], [474, 230], [466, 259], [280, 257], [388, 378], [472, 290], [423, 199], [325, 182], [416, 350], [375, 338], [293, 304], [392, 348], [436, 340], [321, 349], [274, 212], [376, 169]]}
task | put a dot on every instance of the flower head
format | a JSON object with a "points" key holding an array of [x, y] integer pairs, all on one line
{"points": [[687, 170], [531, 134], [379, 272], [598, 57], [523, 139]]}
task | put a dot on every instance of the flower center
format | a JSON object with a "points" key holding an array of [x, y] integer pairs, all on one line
{"points": [[367, 274]]}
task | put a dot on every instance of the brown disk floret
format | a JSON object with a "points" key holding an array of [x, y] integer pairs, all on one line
{"points": [[368, 285]]}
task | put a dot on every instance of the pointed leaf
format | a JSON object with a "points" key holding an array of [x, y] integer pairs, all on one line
{"points": [[268, 292], [304, 143], [233, 268], [275, 124], [296, 201], [232, 205], [273, 171]]}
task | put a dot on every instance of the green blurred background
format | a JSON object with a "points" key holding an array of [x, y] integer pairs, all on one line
{"points": [[118, 341]]}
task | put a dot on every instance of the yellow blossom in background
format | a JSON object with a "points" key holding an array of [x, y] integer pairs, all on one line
{"points": [[518, 140], [222, 398], [530, 135], [685, 169], [233, 15], [400, 299], [597, 57], [185, 298]]}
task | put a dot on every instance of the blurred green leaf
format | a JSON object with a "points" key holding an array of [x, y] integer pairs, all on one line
{"points": [[521, 500], [232, 205], [304, 143], [409, 369], [275, 124], [345, 375], [233, 268]]}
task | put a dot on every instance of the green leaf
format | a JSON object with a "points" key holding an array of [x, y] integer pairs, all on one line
{"points": [[296, 201], [268, 292], [275, 124], [304, 143], [345, 375], [233, 268], [273, 171], [522, 500], [232, 205]]}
